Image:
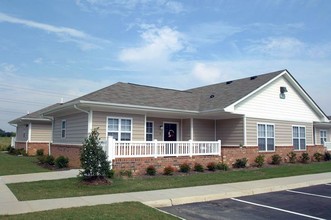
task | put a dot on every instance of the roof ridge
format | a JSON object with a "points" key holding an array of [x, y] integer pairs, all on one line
{"points": [[155, 87]]}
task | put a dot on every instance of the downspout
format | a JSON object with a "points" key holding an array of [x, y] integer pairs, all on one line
{"points": [[89, 120], [49, 143], [14, 145]]}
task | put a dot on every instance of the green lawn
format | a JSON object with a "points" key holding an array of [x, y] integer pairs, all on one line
{"points": [[4, 142], [11, 165], [126, 210], [73, 187]]}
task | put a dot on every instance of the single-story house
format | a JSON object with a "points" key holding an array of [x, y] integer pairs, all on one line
{"points": [[33, 131], [142, 125]]}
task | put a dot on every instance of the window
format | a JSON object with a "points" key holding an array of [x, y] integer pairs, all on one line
{"points": [[63, 128], [120, 128], [149, 131], [323, 136], [299, 138], [266, 137]]}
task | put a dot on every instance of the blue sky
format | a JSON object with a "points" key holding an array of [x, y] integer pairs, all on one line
{"points": [[66, 48]]}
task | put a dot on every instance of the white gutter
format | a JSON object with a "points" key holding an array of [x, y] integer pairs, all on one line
{"points": [[138, 107], [89, 120]]}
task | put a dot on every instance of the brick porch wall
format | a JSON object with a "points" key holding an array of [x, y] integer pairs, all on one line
{"points": [[70, 151], [138, 165]]}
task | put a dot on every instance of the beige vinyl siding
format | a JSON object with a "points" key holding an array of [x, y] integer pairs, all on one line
{"points": [[186, 129], [283, 131], [230, 131], [21, 128], [138, 124], [76, 128], [158, 133], [204, 130], [41, 131]]}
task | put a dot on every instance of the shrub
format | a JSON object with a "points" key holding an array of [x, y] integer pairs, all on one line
{"points": [[240, 163], [327, 156], [318, 156], [93, 158], [305, 157], [184, 168], [259, 160], [222, 166], [127, 173], [40, 152], [11, 150], [42, 159], [169, 170], [110, 173], [61, 162], [292, 157], [198, 167], [276, 159], [49, 159], [211, 166], [150, 170]]}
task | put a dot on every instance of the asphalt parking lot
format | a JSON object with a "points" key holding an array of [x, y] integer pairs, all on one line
{"points": [[303, 203]]}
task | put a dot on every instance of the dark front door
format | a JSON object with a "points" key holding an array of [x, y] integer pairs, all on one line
{"points": [[170, 132]]}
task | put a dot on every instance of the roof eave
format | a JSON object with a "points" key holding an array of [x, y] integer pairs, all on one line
{"points": [[136, 107]]}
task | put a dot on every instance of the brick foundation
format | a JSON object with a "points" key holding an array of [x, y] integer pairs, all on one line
{"points": [[229, 155], [70, 151], [33, 147]]}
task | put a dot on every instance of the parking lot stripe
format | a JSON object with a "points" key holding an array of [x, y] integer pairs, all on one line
{"points": [[278, 209], [309, 194]]}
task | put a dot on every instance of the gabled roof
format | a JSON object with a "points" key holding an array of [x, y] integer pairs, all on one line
{"points": [[34, 116], [221, 95]]}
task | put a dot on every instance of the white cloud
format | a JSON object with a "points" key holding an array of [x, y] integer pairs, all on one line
{"points": [[207, 73], [66, 34], [158, 44], [127, 7], [38, 60], [278, 47]]}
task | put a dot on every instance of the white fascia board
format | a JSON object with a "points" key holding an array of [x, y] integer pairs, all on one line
{"points": [[60, 107], [137, 107], [231, 108]]}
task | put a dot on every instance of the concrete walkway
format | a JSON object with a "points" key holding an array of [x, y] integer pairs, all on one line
{"points": [[157, 198]]}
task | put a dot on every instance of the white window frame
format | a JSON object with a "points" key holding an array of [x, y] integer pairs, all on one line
{"points": [[266, 136], [119, 127], [299, 137], [148, 133], [323, 138], [64, 129]]}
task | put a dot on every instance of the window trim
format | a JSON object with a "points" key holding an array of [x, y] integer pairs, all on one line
{"points": [[300, 149], [119, 126], [326, 136], [64, 129], [257, 136], [148, 132]]}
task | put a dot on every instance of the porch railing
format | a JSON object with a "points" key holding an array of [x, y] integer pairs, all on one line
{"points": [[135, 149], [327, 145]]}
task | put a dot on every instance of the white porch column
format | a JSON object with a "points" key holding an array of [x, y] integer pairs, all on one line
{"points": [[192, 130]]}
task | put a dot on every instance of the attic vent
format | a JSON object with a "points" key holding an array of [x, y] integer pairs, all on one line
{"points": [[228, 82], [253, 77], [211, 96]]}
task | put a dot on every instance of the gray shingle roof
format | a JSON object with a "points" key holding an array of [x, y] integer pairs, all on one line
{"points": [[34, 115], [197, 99], [221, 95]]}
